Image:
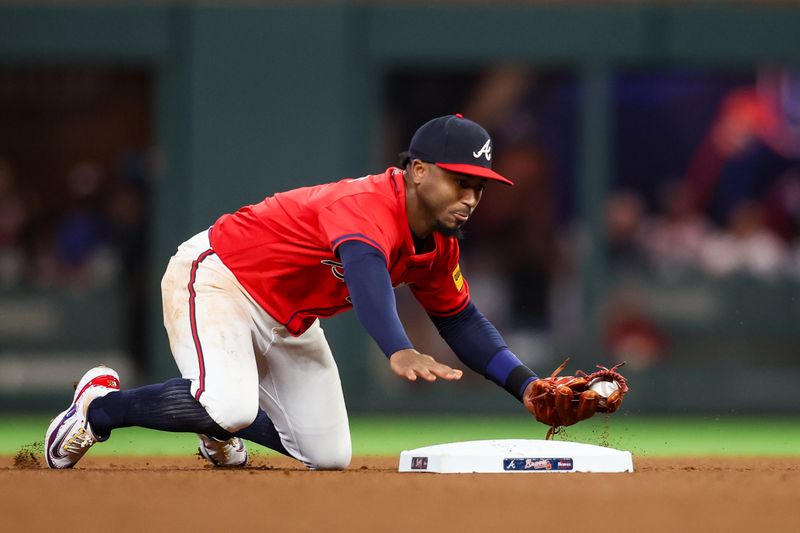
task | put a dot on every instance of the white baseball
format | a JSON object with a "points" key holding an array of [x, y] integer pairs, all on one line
{"points": [[604, 387]]}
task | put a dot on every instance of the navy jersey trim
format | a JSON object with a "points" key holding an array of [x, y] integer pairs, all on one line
{"points": [[451, 312], [316, 312], [352, 236]]}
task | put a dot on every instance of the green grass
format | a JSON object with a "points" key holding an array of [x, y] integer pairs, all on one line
{"points": [[389, 435]]}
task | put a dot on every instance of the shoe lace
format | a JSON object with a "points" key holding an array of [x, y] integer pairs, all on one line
{"points": [[231, 446], [79, 440]]}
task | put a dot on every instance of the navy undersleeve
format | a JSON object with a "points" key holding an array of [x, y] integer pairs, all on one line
{"points": [[372, 295], [481, 347]]}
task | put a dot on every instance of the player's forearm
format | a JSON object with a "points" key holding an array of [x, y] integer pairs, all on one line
{"points": [[373, 296], [480, 346]]}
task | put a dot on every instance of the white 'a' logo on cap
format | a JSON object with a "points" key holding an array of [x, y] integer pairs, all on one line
{"points": [[486, 150]]}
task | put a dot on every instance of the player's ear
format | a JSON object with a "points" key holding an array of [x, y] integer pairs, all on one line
{"points": [[418, 171]]}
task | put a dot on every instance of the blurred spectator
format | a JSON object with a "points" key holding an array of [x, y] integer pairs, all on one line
{"points": [[82, 247], [90, 237], [753, 141], [625, 214], [747, 246], [675, 238], [748, 160], [740, 193]]}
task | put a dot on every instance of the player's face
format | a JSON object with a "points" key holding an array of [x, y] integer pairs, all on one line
{"points": [[449, 198]]}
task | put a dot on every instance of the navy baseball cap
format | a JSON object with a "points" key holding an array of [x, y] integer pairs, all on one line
{"points": [[457, 144]]}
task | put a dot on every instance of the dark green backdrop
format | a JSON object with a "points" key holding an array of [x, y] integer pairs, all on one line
{"points": [[252, 99]]}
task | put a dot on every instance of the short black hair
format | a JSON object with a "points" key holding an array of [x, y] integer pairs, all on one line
{"points": [[403, 159]]}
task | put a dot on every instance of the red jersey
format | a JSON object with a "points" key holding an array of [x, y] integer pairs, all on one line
{"points": [[282, 250]]}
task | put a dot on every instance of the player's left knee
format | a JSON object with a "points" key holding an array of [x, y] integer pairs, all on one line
{"points": [[336, 457], [232, 413]]}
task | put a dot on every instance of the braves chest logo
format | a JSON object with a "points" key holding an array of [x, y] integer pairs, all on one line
{"points": [[336, 268]]}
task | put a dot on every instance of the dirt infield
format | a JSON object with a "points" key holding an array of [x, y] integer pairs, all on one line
{"points": [[276, 495]]}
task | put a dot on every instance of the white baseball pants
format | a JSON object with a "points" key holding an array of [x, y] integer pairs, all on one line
{"points": [[239, 358]]}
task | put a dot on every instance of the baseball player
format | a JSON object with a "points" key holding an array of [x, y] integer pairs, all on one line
{"points": [[242, 302]]}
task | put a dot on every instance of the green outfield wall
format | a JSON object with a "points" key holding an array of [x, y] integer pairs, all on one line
{"points": [[255, 98]]}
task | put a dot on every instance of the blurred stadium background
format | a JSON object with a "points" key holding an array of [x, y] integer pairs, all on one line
{"points": [[656, 147]]}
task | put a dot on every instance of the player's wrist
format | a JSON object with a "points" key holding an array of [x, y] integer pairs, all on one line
{"points": [[403, 352], [507, 371], [527, 387]]}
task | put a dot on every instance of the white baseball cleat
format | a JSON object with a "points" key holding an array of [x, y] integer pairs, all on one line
{"points": [[69, 436], [225, 453]]}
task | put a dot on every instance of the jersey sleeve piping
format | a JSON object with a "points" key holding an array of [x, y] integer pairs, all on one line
{"points": [[362, 238]]}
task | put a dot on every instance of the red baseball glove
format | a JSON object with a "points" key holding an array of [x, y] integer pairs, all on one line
{"points": [[560, 401]]}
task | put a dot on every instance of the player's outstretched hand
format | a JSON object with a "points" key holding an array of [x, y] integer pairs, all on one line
{"points": [[411, 364]]}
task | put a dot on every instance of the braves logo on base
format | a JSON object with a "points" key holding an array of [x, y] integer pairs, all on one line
{"points": [[419, 463], [538, 463]]}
